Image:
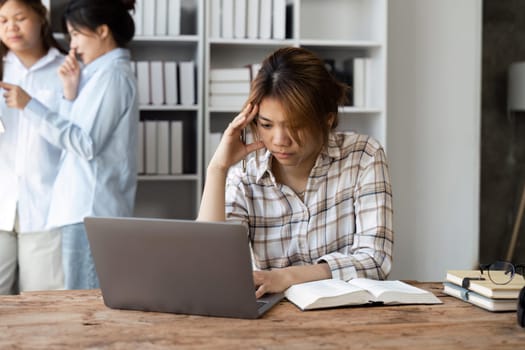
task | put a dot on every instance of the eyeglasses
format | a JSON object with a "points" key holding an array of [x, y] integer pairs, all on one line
{"points": [[502, 272]]}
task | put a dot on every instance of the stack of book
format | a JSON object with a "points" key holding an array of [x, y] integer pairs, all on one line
{"points": [[481, 291], [229, 87]]}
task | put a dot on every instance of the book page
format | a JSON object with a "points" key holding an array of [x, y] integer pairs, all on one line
{"points": [[392, 292]]}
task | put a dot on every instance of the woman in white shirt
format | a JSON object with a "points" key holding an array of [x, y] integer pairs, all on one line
{"points": [[96, 127], [30, 257]]}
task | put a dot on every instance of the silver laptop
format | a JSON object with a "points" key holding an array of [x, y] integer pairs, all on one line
{"points": [[176, 266]]}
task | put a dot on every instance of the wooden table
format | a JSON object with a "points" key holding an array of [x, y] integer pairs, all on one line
{"points": [[79, 319]]}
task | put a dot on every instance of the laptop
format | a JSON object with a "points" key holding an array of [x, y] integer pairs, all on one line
{"points": [[176, 266]]}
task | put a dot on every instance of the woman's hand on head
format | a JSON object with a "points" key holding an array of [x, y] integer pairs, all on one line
{"points": [[15, 96], [232, 149], [69, 73]]}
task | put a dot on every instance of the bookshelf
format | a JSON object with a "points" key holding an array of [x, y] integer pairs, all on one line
{"points": [[337, 30], [167, 194]]}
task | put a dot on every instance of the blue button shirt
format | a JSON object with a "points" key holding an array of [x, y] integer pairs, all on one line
{"points": [[28, 163], [98, 133]]}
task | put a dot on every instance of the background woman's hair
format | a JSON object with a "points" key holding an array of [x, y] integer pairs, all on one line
{"points": [[46, 32], [90, 14], [308, 93]]}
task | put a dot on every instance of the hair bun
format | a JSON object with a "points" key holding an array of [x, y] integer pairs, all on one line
{"points": [[128, 4]]}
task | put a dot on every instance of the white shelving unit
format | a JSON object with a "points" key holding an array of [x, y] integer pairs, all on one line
{"points": [[334, 29]]}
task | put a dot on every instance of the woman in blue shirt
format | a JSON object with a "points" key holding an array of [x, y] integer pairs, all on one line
{"points": [[96, 127]]}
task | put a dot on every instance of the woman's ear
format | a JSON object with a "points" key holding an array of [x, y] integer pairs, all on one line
{"points": [[103, 31]]}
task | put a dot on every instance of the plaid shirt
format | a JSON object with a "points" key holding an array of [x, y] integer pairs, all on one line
{"points": [[345, 219]]}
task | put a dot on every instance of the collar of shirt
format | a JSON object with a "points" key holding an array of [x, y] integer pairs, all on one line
{"points": [[331, 151], [104, 61], [51, 55]]}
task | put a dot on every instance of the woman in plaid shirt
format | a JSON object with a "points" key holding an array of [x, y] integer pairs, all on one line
{"points": [[317, 202]]}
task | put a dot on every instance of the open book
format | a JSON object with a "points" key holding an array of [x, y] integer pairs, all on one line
{"points": [[359, 291]]}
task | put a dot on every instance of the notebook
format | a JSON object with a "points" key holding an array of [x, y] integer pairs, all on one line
{"points": [[176, 266]]}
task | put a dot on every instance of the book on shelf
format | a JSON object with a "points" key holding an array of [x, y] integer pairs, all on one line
{"points": [[227, 19], [482, 284], [174, 16], [150, 146], [235, 101], [265, 19], [215, 19], [137, 18], [163, 147], [170, 83], [230, 74], [279, 19], [359, 291], [148, 17], [176, 164], [479, 300], [187, 83], [157, 83], [143, 82], [229, 87], [252, 19], [140, 150], [239, 29], [161, 17]]}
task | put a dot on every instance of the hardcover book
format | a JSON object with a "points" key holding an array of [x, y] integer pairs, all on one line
{"points": [[478, 299], [359, 291], [482, 284]]}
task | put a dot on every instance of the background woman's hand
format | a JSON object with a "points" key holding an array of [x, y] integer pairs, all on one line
{"points": [[15, 96], [232, 149], [69, 73]]}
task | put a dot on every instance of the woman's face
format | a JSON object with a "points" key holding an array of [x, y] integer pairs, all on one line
{"points": [[88, 45], [274, 132], [20, 27]]}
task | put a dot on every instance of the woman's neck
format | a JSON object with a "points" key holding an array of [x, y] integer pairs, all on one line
{"points": [[30, 57]]}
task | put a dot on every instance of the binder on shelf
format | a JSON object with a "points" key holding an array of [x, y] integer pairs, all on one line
{"points": [[265, 19], [174, 14], [230, 74], [151, 146], [252, 19], [161, 17], [170, 83], [157, 83], [215, 19], [143, 82], [359, 81], [235, 101], [176, 147], [254, 69], [148, 17], [140, 150], [163, 147], [227, 19], [279, 19], [230, 87], [137, 18], [187, 83], [240, 19]]}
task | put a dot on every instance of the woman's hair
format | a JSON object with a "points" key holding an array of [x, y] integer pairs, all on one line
{"points": [[307, 92], [46, 32], [90, 14]]}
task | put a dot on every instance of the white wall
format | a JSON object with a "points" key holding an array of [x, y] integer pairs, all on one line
{"points": [[433, 137]]}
